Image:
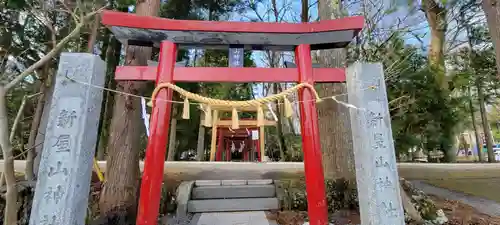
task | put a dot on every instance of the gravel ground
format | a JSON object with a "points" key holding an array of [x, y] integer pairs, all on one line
{"points": [[485, 206], [172, 220]]}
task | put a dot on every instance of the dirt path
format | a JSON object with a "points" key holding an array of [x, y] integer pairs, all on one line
{"points": [[485, 206]]}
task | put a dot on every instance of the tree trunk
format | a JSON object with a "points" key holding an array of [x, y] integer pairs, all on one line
{"points": [[113, 53], [492, 10], [291, 124], [122, 174], [122, 171], [106, 47], [334, 119], [451, 156], [479, 146], [40, 135], [273, 63], [10, 211], [200, 146], [94, 33], [172, 140], [304, 11], [279, 127], [34, 128], [46, 79], [436, 17], [484, 120]]}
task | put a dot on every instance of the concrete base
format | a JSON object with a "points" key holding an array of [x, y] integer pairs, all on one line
{"points": [[189, 170], [232, 218], [175, 172]]}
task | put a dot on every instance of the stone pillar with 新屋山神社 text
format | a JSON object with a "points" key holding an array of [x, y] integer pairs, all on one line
{"points": [[63, 185], [376, 170]]}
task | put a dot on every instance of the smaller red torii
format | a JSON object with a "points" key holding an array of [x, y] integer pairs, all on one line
{"points": [[241, 136], [169, 35]]}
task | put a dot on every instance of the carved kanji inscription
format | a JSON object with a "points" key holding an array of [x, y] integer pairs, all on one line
{"points": [[58, 169], [66, 118], [63, 143]]}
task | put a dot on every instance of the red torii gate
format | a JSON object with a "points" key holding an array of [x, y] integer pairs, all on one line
{"points": [[169, 35]]}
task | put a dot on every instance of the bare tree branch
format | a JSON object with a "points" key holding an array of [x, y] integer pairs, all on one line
{"points": [[52, 52], [17, 120], [68, 10]]}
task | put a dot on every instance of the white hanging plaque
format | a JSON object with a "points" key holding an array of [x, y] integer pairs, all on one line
{"points": [[255, 135]]}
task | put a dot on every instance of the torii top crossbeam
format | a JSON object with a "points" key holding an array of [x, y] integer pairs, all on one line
{"points": [[147, 30], [169, 35], [150, 31]]}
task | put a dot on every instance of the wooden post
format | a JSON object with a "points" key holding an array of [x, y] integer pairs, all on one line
{"points": [[262, 143], [244, 155], [375, 159], [220, 146], [172, 140], [227, 150], [258, 151], [200, 147], [213, 143], [255, 143]]}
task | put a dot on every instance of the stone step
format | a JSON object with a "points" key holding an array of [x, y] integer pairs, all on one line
{"points": [[241, 191], [200, 183], [232, 218], [232, 205]]}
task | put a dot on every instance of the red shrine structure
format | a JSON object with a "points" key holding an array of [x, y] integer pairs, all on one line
{"points": [[238, 144], [245, 144], [170, 35]]}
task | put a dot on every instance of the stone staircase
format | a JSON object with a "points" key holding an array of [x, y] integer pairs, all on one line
{"points": [[232, 196], [208, 196]]}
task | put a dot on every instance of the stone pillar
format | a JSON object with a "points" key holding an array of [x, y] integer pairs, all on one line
{"points": [[375, 159], [62, 189]]}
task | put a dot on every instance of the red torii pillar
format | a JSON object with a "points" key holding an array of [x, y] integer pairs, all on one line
{"points": [[313, 167], [280, 36], [152, 177]]}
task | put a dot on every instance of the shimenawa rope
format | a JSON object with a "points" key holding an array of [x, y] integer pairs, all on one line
{"points": [[235, 105]]}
